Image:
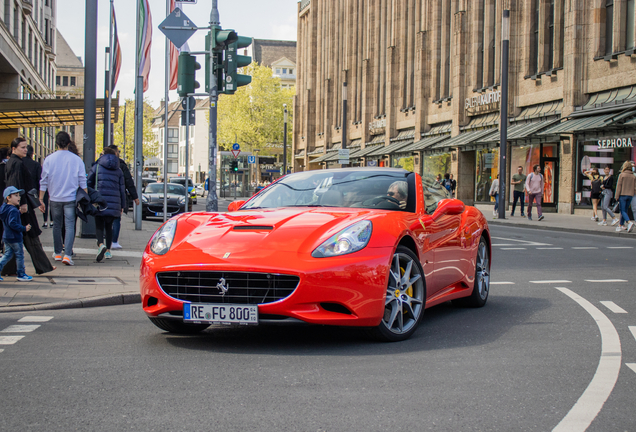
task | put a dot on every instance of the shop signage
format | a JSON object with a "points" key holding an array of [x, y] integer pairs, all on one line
{"points": [[483, 99], [614, 143], [377, 124]]}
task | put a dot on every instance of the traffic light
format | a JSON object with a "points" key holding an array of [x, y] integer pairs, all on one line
{"points": [[234, 165], [217, 44], [186, 82], [234, 61]]}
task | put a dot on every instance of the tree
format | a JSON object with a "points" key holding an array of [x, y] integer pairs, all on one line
{"points": [[253, 115], [150, 143]]}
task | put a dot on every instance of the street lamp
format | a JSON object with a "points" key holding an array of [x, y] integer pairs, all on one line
{"points": [[503, 124], [284, 139]]}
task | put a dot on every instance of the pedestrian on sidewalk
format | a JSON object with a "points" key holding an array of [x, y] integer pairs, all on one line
{"points": [[519, 182], [494, 192], [13, 229], [4, 155], [453, 185], [534, 187], [596, 182], [62, 174], [607, 193], [129, 184], [17, 175], [634, 197], [625, 191], [108, 180]]}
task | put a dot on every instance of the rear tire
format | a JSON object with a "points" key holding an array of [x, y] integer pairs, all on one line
{"points": [[179, 327], [481, 288]]}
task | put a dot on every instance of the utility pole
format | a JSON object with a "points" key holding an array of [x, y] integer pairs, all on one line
{"points": [[139, 127], [212, 203], [343, 145], [503, 123], [284, 139]]}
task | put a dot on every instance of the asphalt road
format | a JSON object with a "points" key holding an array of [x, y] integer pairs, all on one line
{"points": [[521, 363]]}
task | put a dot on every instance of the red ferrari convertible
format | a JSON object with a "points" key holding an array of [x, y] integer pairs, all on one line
{"points": [[366, 247]]}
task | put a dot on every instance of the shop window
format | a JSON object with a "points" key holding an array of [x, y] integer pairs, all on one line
{"points": [[436, 164], [611, 152], [486, 171]]}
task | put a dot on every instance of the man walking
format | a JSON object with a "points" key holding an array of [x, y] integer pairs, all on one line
{"points": [[129, 184], [534, 187], [62, 173], [519, 180]]}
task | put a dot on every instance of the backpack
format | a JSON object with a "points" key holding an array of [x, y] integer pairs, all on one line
{"points": [[447, 184], [596, 185]]}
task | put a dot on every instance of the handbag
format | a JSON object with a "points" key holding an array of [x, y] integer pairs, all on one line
{"points": [[616, 207], [33, 198]]}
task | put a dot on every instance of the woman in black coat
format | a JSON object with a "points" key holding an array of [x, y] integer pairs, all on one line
{"points": [[16, 174], [108, 180]]}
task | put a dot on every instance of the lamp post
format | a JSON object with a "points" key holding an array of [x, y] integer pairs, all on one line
{"points": [[503, 124], [284, 139]]}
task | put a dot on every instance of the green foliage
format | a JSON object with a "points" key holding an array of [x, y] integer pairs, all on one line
{"points": [[150, 144], [253, 115]]}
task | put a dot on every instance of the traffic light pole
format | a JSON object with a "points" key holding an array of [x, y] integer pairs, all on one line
{"points": [[187, 152], [212, 203]]}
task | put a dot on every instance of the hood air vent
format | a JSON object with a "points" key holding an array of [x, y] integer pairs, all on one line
{"points": [[253, 228]]}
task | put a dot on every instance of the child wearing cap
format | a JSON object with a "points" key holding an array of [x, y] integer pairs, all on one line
{"points": [[13, 229]]}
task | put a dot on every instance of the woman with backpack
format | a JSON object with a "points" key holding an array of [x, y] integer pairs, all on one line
{"points": [[625, 191], [597, 182], [494, 192], [108, 180], [607, 194]]}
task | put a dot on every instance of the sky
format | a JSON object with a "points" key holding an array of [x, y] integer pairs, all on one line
{"points": [[261, 19]]}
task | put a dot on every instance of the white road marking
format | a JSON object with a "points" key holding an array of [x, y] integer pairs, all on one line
{"points": [[9, 340], [35, 319], [620, 247], [20, 328], [85, 251], [502, 283], [1, 350], [585, 247], [632, 366], [550, 248], [613, 307], [633, 330], [513, 248], [550, 281], [595, 395], [605, 280], [524, 242]]}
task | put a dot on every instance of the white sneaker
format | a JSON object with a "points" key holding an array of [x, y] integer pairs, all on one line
{"points": [[603, 223], [630, 226], [115, 245], [594, 218], [615, 221], [620, 228], [494, 213]]}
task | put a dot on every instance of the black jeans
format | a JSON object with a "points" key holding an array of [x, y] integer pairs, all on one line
{"points": [[104, 223], [521, 196]]}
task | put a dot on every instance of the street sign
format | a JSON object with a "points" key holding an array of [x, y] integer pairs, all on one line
{"points": [[235, 146], [236, 153], [372, 163], [178, 28], [251, 159], [343, 156]]}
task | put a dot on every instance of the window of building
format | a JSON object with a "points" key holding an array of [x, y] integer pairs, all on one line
{"points": [[551, 36], [486, 172], [291, 71], [534, 56], [65, 81], [172, 167], [630, 18], [173, 150], [57, 80], [16, 23], [73, 81], [609, 26], [278, 71], [173, 135], [284, 71], [7, 12]]}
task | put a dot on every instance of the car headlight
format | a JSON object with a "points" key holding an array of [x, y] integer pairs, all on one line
{"points": [[182, 200], [349, 240], [162, 240], [144, 198]]}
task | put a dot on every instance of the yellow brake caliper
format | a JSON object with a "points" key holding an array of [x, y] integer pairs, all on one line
{"points": [[409, 290]]}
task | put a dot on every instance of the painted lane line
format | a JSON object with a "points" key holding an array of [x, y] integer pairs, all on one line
{"points": [[613, 307], [595, 395], [514, 248], [633, 330], [35, 319], [580, 248], [620, 247], [550, 281], [20, 328], [550, 248], [502, 283], [524, 242], [632, 366], [1, 350], [605, 280], [9, 340]]}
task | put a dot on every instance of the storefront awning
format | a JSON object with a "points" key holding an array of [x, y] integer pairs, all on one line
{"points": [[462, 139], [37, 113], [391, 148], [365, 151], [599, 122], [518, 131], [424, 143], [300, 154], [316, 152]]}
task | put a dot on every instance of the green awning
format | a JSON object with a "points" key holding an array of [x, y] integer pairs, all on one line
{"points": [[424, 143], [363, 152], [518, 131], [580, 124], [391, 148], [462, 139]]}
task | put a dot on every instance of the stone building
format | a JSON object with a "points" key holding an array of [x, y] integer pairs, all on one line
{"points": [[423, 89], [69, 82]]}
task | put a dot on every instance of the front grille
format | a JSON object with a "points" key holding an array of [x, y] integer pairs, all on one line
{"points": [[159, 208], [242, 288]]}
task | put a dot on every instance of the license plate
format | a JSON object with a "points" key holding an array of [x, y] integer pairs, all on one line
{"points": [[220, 313], [161, 214]]}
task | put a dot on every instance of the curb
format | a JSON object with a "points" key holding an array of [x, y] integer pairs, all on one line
{"points": [[107, 300], [562, 229]]}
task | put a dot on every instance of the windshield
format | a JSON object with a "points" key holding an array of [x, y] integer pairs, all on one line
{"points": [[375, 189], [158, 188], [181, 181]]}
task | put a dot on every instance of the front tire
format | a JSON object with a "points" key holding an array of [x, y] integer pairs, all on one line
{"points": [[481, 288], [405, 298], [178, 327]]}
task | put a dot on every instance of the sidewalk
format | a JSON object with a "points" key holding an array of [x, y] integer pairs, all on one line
{"points": [[87, 283]]}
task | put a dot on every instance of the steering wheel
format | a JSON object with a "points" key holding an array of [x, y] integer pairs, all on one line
{"points": [[377, 200]]}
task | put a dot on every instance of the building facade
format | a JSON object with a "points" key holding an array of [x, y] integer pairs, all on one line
{"points": [[69, 82], [27, 63], [424, 89]]}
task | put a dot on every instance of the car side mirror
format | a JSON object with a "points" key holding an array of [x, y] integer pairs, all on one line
{"points": [[449, 207], [235, 205]]}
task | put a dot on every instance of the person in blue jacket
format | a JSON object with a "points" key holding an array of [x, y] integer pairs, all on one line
{"points": [[108, 179], [13, 230]]}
